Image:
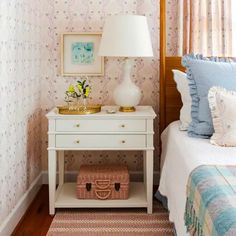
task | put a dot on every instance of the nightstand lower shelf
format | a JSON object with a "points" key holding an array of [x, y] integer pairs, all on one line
{"points": [[67, 198]]}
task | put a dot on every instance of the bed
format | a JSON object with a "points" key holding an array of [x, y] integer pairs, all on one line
{"points": [[180, 154]]}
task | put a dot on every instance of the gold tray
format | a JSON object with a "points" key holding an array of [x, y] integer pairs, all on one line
{"points": [[90, 109]]}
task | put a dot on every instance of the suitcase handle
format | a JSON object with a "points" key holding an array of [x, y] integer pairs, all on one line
{"points": [[102, 184], [98, 192]]}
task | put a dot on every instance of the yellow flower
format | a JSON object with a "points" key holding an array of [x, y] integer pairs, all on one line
{"points": [[71, 89], [87, 91]]}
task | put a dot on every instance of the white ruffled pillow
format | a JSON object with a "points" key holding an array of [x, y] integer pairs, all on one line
{"points": [[223, 111], [182, 86]]}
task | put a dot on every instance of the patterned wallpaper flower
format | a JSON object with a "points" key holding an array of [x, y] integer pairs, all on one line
{"points": [[89, 16], [21, 68], [30, 83], [172, 27]]}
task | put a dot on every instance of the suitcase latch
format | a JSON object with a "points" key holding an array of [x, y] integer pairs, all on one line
{"points": [[88, 186], [117, 186]]}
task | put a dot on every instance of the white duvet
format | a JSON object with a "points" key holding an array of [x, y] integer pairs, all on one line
{"points": [[180, 155]]}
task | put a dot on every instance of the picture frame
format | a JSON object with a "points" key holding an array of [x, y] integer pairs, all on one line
{"points": [[79, 54]]}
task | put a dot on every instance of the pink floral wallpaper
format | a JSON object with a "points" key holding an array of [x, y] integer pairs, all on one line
{"points": [[21, 58], [88, 16], [172, 27], [30, 83]]}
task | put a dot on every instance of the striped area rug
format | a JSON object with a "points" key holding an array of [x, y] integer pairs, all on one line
{"points": [[113, 222]]}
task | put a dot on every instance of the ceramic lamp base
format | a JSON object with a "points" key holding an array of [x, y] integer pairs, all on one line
{"points": [[127, 94], [127, 109]]}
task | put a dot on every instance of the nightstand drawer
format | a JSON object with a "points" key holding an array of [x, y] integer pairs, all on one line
{"points": [[100, 125], [100, 141]]}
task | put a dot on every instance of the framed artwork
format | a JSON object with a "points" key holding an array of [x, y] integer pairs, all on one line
{"points": [[79, 54]]}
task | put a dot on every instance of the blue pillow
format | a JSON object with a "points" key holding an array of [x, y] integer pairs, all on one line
{"points": [[204, 73]]}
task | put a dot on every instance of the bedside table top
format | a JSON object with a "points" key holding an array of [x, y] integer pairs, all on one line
{"points": [[142, 112]]}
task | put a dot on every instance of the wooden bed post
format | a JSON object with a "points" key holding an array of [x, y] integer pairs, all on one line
{"points": [[170, 100], [162, 111]]}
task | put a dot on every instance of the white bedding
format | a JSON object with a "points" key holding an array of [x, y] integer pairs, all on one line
{"points": [[180, 155]]}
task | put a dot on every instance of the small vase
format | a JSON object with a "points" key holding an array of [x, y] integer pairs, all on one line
{"points": [[72, 104], [84, 104]]}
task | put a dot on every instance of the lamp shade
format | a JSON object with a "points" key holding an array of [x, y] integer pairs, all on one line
{"points": [[126, 36]]}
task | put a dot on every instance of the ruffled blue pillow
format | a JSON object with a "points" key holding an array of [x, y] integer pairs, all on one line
{"points": [[204, 73]]}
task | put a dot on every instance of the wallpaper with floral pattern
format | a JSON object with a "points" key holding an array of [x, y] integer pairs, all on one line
{"points": [[172, 27], [89, 16], [31, 85], [21, 68]]}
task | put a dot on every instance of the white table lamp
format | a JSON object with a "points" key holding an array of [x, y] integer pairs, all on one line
{"points": [[126, 36]]}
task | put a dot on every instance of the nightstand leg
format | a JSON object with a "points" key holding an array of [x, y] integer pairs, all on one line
{"points": [[149, 179], [144, 170], [61, 167], [52, 165]]}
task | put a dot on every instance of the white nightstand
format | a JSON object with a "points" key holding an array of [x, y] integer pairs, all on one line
{"points": [[100, 131]]}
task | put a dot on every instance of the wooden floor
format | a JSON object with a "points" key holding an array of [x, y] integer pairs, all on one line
{"points": [[36, 220]]}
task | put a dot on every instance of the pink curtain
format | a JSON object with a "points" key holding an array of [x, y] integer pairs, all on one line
{"points": [[204, 26]]}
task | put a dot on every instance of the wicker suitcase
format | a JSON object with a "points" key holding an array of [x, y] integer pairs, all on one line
{"points": [[103, 182]]}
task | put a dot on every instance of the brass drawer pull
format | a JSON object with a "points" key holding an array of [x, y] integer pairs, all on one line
{"points": [[77, 141], [78, 125], [123, 126], [123, 141]]}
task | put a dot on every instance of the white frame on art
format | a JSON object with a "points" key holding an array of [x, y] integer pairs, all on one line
{"points": [[68, 68]]}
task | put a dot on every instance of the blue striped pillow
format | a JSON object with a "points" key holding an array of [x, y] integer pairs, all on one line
{"points": [[204, 73]]}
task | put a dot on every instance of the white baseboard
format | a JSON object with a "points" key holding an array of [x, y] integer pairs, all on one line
{"points": [[11, 221], [70, 176]]}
